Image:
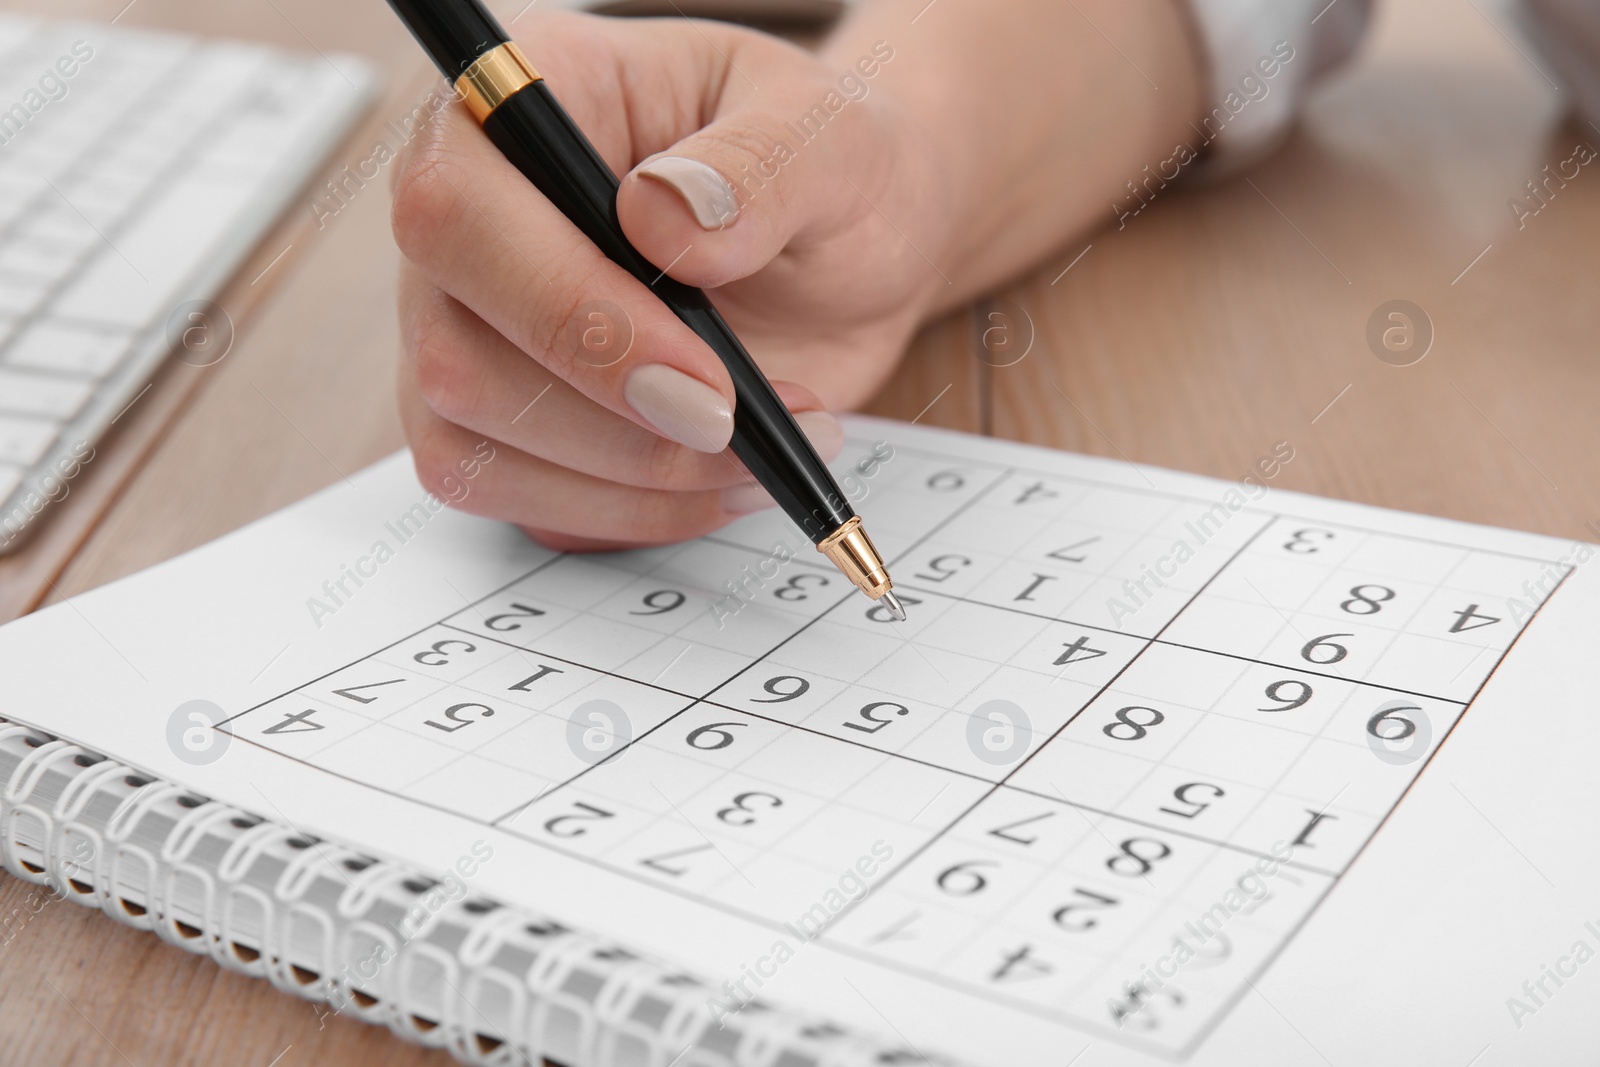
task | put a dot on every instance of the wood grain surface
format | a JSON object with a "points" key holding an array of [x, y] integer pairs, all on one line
{"points": [[1225, 317]]}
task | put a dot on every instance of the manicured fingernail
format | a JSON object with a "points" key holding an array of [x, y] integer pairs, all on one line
{"points": [[824, 432], [707, 192], [743, 498], [682, 408]]}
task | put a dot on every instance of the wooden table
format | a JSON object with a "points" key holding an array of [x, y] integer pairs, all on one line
{"points": [[1221, 320]]}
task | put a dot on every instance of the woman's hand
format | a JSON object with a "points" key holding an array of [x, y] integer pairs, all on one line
{"points": [[797, 190]]}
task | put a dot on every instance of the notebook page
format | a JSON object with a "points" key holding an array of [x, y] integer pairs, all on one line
{"points": [[1128, 784]]}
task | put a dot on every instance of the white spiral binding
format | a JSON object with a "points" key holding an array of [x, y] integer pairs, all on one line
{"points": [[540, 1014]]}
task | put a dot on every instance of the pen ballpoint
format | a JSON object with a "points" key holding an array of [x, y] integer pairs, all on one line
{"points": [[521, 117]]}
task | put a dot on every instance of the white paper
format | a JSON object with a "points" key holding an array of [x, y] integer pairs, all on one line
{"points": [[1123, 694]]}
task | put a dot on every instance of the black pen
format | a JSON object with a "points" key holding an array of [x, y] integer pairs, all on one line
{"points": [[520, 115]]}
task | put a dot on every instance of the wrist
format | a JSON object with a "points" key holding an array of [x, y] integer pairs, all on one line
{"points": [[1030, 115]]}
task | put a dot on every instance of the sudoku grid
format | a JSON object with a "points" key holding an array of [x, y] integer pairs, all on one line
{"points": [[1085, 747]]}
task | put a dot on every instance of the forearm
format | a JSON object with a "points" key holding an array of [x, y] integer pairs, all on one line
{"points": [[1037, 112]]}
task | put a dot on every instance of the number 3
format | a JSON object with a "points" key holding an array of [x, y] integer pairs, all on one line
{"points": [[1304, 542]]}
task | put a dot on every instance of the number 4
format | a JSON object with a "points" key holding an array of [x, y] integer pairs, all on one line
{"points": [[1465, 616], [298, 723], [1077, 652]]}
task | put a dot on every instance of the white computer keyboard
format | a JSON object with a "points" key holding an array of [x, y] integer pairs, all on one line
{"points": [[130, 189]]}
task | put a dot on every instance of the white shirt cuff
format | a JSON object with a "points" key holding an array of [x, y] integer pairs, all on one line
{"points": [[1261, 56]]}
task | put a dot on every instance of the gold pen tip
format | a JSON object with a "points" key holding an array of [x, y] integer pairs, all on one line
{"points": [[897, 609]]}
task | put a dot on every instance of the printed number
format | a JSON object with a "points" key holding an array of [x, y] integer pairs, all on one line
{"points": [[349, 691], [1465, 616], [1363, 603], [504, 622], [1038, 580], [1077, 652], [794, 590], [1020, 964], [999, 831], [1334, 651], [522, 686], [1213, 952], [298, 723], [963, 880], [1181, 794], [741, 807], [946, 481], [1275, 692], [944, 567], [1137, 856], [1405, 726], [1066, 554], [877, 723], [453, 713], [657, 606], [716, 733], [437, 656], [879, 613], [1091, 901], [1135, 730], [800, 688], [654, 862], [1305, 542], [585, 813], [1137, 1010]]}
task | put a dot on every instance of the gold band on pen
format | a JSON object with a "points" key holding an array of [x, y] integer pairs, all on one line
{"points": [[495, 75], [852, 551]]}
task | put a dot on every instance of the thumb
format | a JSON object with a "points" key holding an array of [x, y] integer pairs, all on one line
{"points": [[722, 203]]}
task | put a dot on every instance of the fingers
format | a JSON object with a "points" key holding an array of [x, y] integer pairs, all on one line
{"points": [[539, 495], [723, 202], [557, 506], [481, 232], [468, 374]]}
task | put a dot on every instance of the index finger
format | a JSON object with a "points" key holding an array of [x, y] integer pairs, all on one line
{"points": [[479, 230]]}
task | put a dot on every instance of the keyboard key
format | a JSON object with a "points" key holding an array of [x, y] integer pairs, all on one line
{"points": [[10, 478], [61, 225], [58, 346], [104, 198], [24, 440], [140, 189], [30, 255], [159, 250], [43, 395], [20, 295]]}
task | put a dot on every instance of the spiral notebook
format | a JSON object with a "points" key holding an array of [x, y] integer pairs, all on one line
{"points": [[1160, 769]]}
